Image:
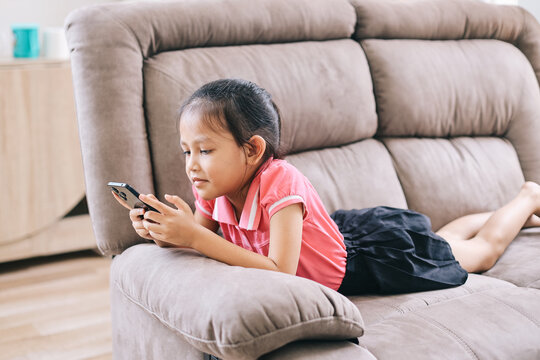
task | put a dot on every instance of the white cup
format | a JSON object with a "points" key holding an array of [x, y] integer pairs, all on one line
{"points": [[54, 43]]}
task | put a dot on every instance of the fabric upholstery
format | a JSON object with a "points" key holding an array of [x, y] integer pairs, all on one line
{"points": [[451, 89], [340, 112], [136, 330], [437, 19], [158, 27], [361, 161], [520, 263], [231, 316], [506, 326], [447, 88], [379, 308], [449, 20], [449, 178], [110, 126]]}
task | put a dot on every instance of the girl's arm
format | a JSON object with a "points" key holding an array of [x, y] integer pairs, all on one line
{"points": [[284, 251], [286, 237], [177, 227]]}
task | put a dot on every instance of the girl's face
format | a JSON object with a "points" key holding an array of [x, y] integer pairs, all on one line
{"points": [[215, 164]]}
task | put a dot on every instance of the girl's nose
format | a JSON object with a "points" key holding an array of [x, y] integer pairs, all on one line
{"points": [[191, 163]]}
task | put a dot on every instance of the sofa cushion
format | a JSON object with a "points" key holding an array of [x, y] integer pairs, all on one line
{"points": [[453, 88], [241, 313], [501, 323], [340, 112], [377, 308], [520, 263], [356, 175], [449, 20], [449, 178], [448, 88]]}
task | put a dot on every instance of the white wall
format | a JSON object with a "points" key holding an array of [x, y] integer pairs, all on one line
{"points": [[53, 12], [533, 6], [502, 2], [46, 13]]}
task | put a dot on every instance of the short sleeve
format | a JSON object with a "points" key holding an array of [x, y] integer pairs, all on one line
{"points": [[206, 208], [283, 185]]}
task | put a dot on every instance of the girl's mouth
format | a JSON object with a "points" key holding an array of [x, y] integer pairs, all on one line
{"points": [[198, 181]]}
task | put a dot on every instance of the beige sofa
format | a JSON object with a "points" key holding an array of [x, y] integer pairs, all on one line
{"points": [[432, 105]]}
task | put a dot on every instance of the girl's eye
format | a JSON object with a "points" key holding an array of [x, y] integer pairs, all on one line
{"points": [[186, 153], [205, 152]]}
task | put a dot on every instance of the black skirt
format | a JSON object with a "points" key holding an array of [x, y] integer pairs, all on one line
{"points": [[392, 251]]}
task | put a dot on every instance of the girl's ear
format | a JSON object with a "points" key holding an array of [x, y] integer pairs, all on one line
{"points": [[255, 149]]}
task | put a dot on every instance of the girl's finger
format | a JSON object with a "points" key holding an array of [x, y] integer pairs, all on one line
{"points": [[138, 225], [150, 226], [178, 202], [143, 233], [135, 214], [156, 236], [153, 216], [154, 202]]}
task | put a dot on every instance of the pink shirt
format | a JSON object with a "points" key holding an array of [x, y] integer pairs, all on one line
{"points": [[277, 185]]}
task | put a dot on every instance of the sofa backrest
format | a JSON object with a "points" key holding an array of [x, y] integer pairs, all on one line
{"points": [[456, 87], [431, 105]]}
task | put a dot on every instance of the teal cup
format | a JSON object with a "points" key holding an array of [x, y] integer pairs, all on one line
{"points": [[26, 38]]}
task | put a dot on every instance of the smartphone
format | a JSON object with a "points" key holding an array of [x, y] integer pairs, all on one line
{"points": [[129, 195]]}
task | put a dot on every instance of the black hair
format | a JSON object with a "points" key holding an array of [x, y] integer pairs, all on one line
{"points": [[241, 107]]}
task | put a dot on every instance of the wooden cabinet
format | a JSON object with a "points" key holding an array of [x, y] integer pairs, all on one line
{"points": [[41, 175]]}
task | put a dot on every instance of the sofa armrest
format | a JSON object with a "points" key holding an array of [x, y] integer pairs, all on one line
{"points": [[228, 311]]}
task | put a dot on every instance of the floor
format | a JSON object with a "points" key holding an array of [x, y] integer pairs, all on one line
{"points": [[56, 307]]}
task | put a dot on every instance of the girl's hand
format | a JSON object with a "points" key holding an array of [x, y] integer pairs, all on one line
{"points": [[171, 226], [136, 217]]}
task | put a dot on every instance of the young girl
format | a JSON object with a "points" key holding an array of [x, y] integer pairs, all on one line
{"points": [[272, 218]]}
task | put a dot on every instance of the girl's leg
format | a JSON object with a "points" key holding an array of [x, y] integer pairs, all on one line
{"points": [[480, 252], [466, 227]]}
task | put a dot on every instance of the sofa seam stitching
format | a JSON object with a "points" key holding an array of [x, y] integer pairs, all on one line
{"points": [[403, 311], [522, 313], [217, 342], [162, 71], [459, 339]]}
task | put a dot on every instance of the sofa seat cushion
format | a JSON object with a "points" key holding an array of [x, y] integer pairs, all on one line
{"points": [[237, 313], [378, 308], [520, 263], [501, 323]]}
